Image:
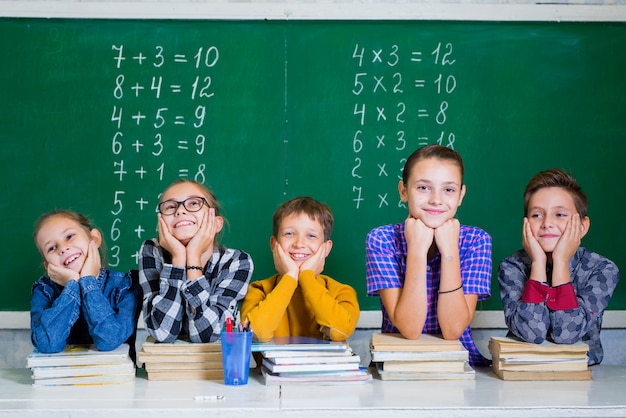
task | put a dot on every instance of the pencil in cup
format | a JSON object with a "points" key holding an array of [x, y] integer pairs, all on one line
{"points": [[236, 349]]}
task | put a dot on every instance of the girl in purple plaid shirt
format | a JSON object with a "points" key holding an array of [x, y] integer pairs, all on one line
{"points": [[430, 271]]}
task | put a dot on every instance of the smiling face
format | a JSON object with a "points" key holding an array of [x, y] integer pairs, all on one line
{"points": [[184, 224], [549, 210], [299, 236], [433, 190], [64, 242]]}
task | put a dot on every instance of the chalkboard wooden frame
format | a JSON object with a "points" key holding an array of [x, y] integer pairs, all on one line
{"points": [[18, 299], [255, 10]]}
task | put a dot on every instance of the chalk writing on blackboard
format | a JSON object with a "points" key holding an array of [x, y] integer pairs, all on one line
{"points": [[161, 130], [394, 113]]}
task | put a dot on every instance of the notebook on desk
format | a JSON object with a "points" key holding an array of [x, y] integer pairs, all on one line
{"points": [[299, 343]]}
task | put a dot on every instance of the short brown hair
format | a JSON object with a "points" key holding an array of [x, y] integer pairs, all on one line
{"points": [[316, 210], [432, 151], [555, 177]]}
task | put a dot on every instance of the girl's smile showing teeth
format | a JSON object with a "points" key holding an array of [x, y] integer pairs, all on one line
{"points": [[71, 259], [183, 223]]}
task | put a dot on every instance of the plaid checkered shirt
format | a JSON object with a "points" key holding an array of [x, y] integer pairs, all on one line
{"points": [[386, 253], [174, 306]]}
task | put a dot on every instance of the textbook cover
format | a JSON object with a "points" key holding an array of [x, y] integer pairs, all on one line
{"points": [[180, 346], [78, 355], [299, 343], [127, 367], [81, 365], [308, 367], [97, 380], [360, 375]]}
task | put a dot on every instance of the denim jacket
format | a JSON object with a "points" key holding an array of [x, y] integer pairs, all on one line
{"points": [[101, 311]]}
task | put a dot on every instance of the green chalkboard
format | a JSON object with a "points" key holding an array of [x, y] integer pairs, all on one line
{"points": [[100, 115]]}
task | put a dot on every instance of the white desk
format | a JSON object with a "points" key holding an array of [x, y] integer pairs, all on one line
{"points": [[487, 396]]}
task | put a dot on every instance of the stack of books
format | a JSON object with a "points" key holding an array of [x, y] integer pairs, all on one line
{"points": [[80, 365], [181, 360], [428, 358], [309, 360], [517, 360]]}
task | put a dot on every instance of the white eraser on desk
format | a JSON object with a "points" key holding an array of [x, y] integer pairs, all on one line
{"points": [[208, 397]]}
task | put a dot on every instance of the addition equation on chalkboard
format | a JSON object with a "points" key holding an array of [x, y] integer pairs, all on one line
{"points": [[402, 99], [160, 131]]}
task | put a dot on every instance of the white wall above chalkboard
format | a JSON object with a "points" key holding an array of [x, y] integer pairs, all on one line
{"points": [[482, 10]]}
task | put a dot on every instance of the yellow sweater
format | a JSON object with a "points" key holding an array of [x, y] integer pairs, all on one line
{"points": [[318, 307]]}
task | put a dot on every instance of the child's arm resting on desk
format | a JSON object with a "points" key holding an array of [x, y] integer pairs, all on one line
{"points": [[594, 290], [335, 305], [265, 303], [456, 308], [532, 308], [210, 300], [527, 320], [162, 302], [52, 319], [110, 318]]}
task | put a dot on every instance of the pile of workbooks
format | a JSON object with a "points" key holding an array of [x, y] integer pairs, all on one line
{"points": [[428, 358], [80, 365], [287, 360], [181, 360], [517, 360]]}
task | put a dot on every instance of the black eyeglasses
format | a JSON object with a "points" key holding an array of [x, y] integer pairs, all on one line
{"points": [[191, 204]]}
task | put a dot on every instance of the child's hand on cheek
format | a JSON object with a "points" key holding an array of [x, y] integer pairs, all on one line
{"points": [[169, 242], [531, 245], [569, 240], [203, 241], [92, 264], [418, 236], [283, 263], [61, 275], [447, 237], [316, 262]]}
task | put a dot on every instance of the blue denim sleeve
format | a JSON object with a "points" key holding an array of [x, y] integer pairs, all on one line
{"points": [[109, 306], [54, 310]]}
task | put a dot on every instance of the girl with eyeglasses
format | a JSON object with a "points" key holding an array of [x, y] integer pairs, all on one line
{"points": [[191, 284]]}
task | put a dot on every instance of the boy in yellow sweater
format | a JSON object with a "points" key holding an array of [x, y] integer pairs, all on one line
{"points": [[299, 300]]}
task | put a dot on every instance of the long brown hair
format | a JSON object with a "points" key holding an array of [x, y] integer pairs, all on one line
{"points": [[432, 151]]}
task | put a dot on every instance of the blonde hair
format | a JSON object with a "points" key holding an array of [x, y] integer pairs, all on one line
{"points": [[208, 195], [79, 218]]}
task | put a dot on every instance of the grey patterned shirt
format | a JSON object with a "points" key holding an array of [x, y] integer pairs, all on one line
{"points": [[593, 278]]}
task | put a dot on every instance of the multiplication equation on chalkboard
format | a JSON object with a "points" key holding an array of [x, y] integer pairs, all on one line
{"points": [[161, 127], [403, 98]]}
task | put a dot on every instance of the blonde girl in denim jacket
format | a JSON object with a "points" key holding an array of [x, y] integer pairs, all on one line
{"points": [[79, 301]]}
